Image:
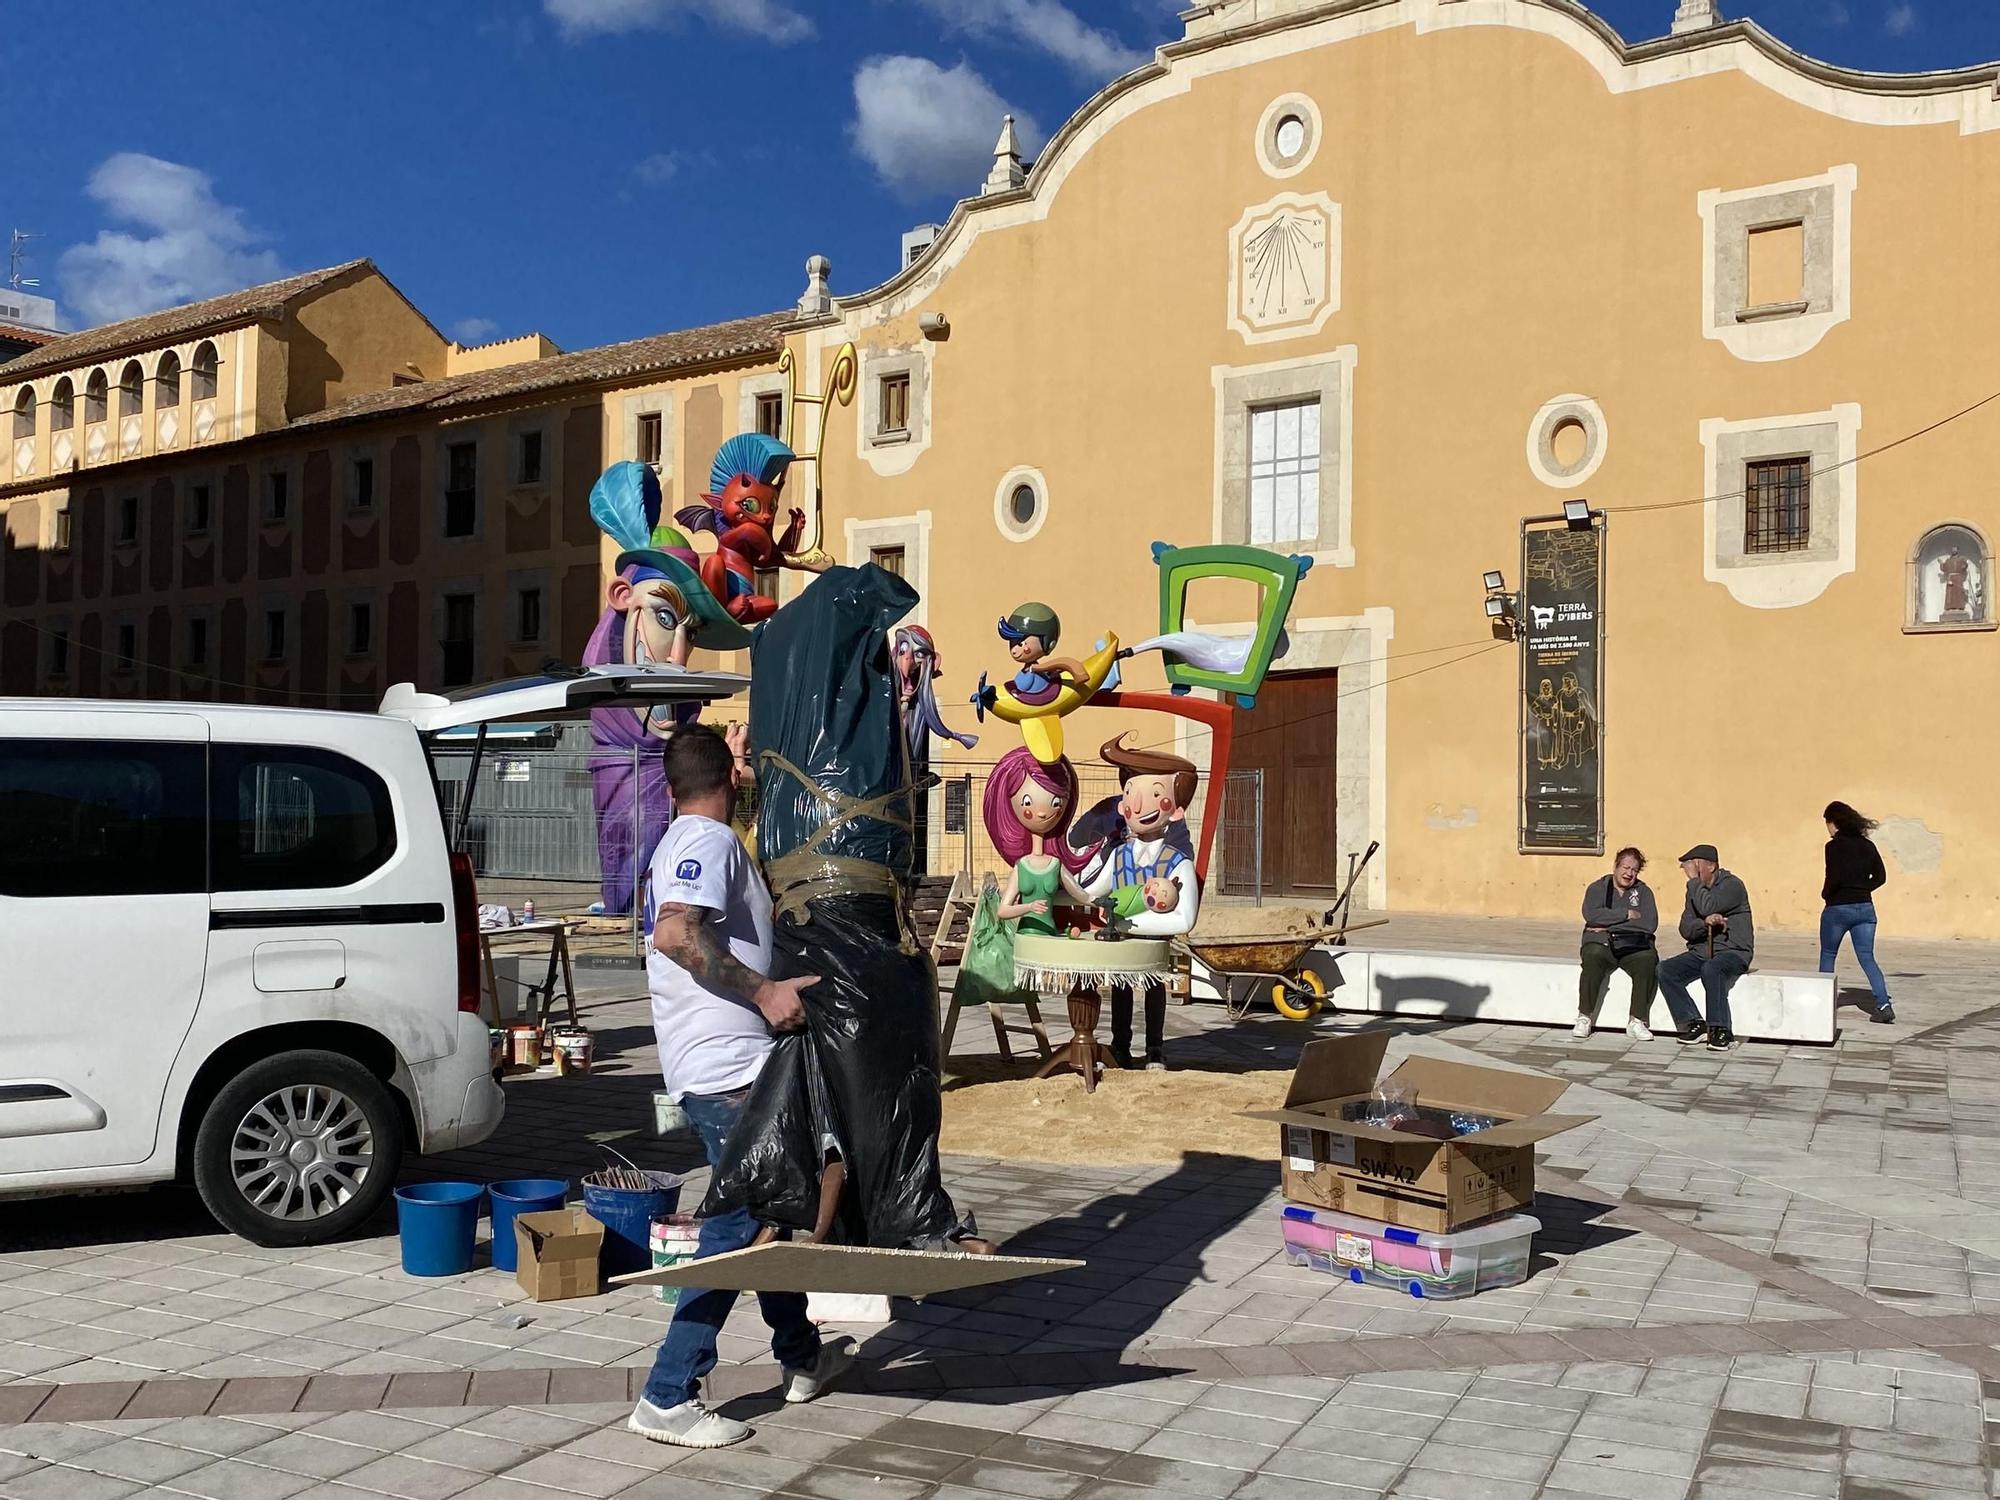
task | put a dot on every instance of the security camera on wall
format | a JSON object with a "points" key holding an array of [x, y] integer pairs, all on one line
{"points": [[934, 326]]}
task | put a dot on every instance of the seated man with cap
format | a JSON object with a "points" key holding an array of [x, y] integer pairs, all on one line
{"points": [[1716, 924]]}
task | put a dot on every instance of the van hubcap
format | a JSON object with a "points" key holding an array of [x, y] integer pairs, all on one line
{"points": [[302, 1152]]}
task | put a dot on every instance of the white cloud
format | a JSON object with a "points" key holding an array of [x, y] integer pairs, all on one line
{"points": [[773, 20], [661, 166], [187, 245], [469, 331], [1047, 25], [924, 128], [1901, 20]]}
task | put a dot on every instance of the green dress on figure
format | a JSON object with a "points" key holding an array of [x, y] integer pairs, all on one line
{"points": [[1033, 885]]}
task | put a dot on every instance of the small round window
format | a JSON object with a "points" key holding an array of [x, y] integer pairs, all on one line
{"points": [[1287, 135], [1021, 504], [1291, 138]]}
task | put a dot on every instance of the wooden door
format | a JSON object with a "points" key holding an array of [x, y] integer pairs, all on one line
{"points": [[1290, 736]]}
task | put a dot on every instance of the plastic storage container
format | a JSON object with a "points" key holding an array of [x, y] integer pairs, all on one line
{"points": [[1479, 1259]]}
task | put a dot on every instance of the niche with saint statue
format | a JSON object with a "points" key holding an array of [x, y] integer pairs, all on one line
{"points": [[1951, 580]]}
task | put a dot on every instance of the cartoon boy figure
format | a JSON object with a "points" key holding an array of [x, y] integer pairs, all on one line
{"points": [[1031, 633]]}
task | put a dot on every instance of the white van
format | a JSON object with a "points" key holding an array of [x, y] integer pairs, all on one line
{"points": [[234, 947]]}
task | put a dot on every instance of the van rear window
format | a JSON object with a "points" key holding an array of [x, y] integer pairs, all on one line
{"points": [[79, 818], [288, 817]]}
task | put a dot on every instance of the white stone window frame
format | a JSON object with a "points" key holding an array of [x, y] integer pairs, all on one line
{"points": [[1828, 441], [1552, 414], [748, 389], [1239, 388], [1003, 495], [1912, 625], [895, 452], [1266, 140], [913, 534], [658, 403], [1824, 204], [1357, 646]]}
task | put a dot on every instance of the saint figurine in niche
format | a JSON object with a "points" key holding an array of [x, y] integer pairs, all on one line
{"points": [[1954, 569]]}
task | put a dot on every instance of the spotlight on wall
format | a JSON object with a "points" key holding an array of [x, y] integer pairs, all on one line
{"points": [[1496, 607], [1494, 581], [1499, 606], [1576, 514], [934, 326]]}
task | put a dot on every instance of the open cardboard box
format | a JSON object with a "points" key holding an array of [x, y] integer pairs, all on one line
{"points": [[1403, 1179], [556, 1254]]}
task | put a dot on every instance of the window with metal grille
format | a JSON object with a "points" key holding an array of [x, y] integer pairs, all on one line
{"points": [[895, 410], [650, 430], [461, 488], [1284, 473], [1777, 505]]}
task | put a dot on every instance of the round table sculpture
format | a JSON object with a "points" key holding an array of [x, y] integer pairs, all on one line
{"points": [[1085, 967]]}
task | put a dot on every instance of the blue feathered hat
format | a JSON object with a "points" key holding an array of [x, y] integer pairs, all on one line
{"points": [[625, 503], [763, 458]]}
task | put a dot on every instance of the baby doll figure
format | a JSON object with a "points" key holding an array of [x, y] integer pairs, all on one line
{"points": [[1160, 893]]}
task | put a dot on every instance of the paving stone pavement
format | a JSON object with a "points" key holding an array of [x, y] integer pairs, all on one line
{"points": [[1718, 1309]]}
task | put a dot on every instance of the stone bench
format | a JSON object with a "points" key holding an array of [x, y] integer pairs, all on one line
{"points": [[1766, 1005]]}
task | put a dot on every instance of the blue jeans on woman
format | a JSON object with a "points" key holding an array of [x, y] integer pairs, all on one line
{"points": [[1854, 920], [688, 1352]]}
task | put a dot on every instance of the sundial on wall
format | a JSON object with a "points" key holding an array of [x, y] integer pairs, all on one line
{"points": [[1284, 267]]}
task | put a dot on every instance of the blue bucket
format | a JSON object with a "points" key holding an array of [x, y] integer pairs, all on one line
{"points": [[438, 1223], [627, 1215], [525, 1195]]}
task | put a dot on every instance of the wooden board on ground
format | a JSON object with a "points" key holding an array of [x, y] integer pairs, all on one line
{"points": [[787, 1267]]}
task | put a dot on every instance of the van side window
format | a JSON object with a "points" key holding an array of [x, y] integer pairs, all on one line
{"points": [[288, 817], [83, 818]]}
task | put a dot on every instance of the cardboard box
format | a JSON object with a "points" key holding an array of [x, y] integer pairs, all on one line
{"points": [[556, 1254], [1409, 1180]]}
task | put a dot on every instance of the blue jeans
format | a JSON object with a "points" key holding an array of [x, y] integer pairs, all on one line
{"points": [[1716, 974], [1854, 919], [688, 1351]]}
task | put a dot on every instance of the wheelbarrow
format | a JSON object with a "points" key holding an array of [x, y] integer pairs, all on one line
{"points": [[1296, 993]]}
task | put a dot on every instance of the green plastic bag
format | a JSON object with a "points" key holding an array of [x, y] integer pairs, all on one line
{"points": [[986, 973]]}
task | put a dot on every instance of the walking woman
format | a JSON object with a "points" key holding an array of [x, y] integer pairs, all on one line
{"points": [[1619, 921], [1853, 874]]}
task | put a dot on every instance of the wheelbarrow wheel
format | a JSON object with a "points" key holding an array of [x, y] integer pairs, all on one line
{"points": [[1300, 997]]}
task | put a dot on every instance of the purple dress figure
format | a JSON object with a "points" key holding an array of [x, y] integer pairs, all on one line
{"points": [[658, 611]]}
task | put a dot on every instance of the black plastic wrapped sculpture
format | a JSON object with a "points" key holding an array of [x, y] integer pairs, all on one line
{"points": [[839, 1138]]}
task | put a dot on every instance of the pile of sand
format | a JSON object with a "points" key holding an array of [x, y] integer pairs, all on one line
{"points": [[1135, 1118], [1226, 924]]}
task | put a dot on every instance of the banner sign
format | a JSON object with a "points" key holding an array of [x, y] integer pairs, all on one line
{"points": [[1562, 685]]}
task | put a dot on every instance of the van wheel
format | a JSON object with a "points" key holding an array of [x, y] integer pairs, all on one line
{"points": [[298, 1149]]}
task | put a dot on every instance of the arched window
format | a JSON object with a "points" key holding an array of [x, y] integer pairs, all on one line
{"points": [[131, 390], [1951, 580], [204, 367], [93, 396], [24, 413], [168, 393], [62, 406]]}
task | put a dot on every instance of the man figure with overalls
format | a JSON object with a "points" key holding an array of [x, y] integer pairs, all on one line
{"points": [[1156, 791]]}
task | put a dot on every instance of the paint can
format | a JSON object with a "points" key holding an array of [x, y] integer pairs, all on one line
{"points": [[669, 1119], [673, 1241], [574, 1050], [524, 1046]]}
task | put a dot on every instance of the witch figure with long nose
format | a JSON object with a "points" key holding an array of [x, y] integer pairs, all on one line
{"points": [[917, 671]]}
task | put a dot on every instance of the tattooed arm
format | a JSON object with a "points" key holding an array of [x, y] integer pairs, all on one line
{"points": [[687, 935]]}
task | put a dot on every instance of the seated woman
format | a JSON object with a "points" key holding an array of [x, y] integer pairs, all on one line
{"points": [[1619, 921]]}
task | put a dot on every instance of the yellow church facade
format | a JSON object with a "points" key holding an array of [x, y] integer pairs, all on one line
{"points": [[1374, 283]]}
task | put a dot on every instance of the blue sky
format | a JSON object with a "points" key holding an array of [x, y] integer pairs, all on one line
{"points": [[595, 169]]}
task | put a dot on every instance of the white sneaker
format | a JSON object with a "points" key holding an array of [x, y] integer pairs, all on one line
{"points": [[1638, 1030], [1584, 1026], [835, 1356], [689, 1425]]}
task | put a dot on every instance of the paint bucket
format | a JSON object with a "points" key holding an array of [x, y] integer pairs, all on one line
{"points": [[523, 1195], [669, 1119], [524, 1046], [438, 1223], [574, 1050], [627, 1214], [673, 1241]]}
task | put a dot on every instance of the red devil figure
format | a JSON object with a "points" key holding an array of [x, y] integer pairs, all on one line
{"points": [[742, 510]]}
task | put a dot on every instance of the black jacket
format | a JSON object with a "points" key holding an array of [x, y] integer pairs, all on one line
{"points": [[1853, 870]]}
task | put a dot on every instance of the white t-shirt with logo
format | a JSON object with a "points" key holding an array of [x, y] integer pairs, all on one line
{"points": [[710, 1042]]}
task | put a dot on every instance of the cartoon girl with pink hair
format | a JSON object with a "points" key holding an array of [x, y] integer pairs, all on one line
{"points": [[1027, 809]]}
